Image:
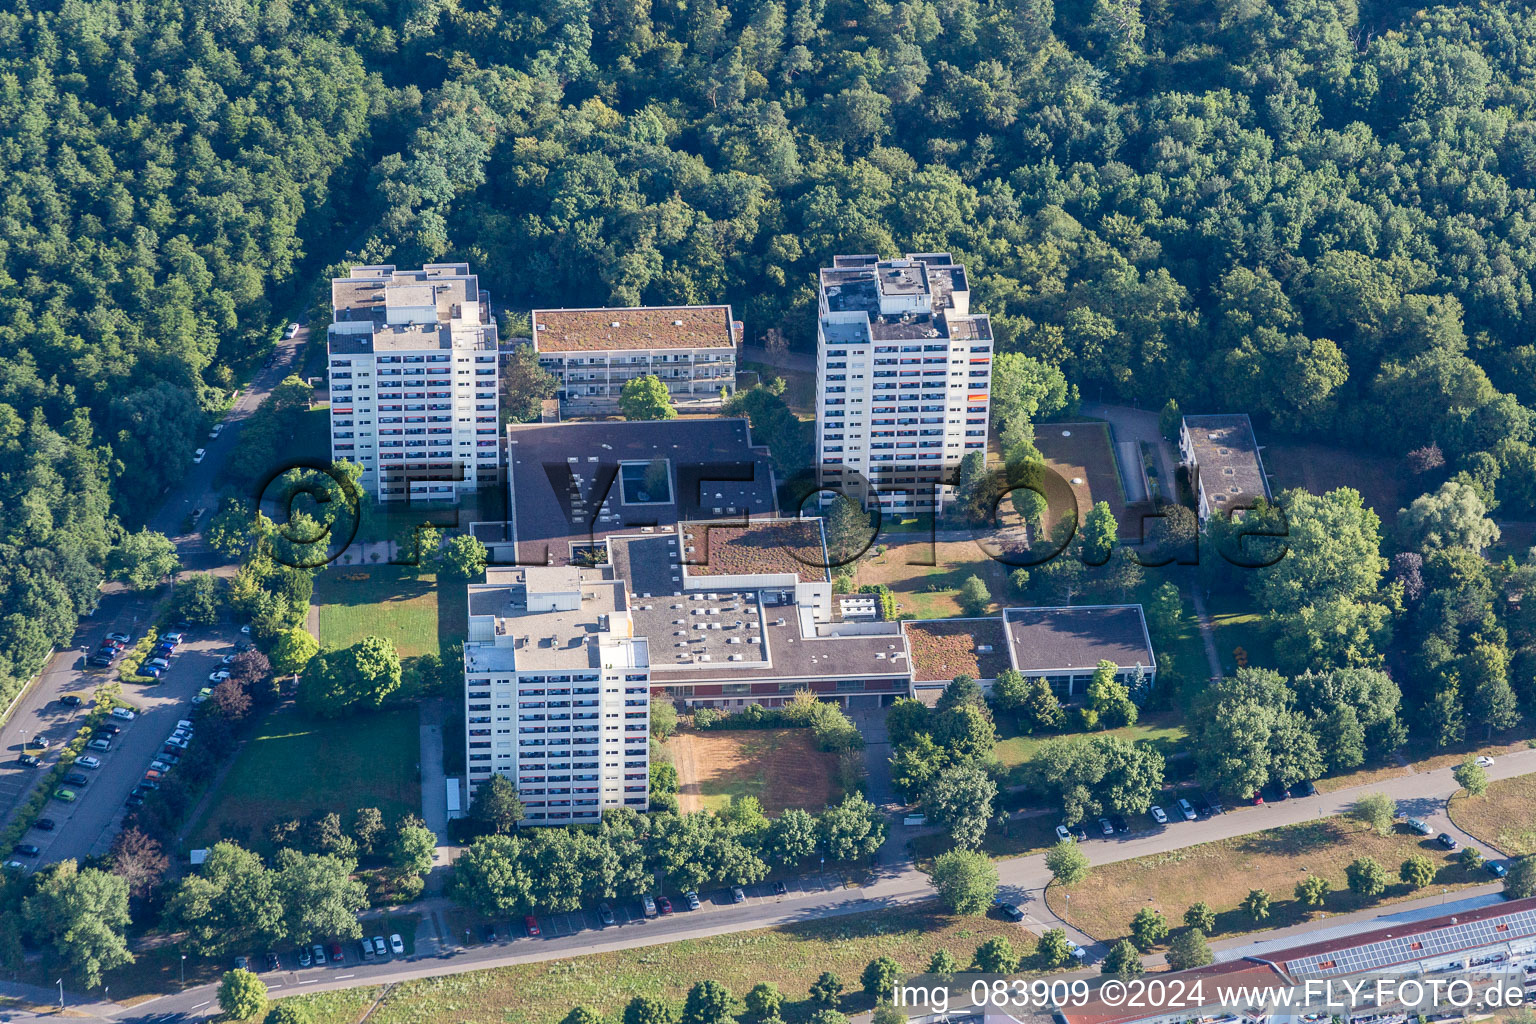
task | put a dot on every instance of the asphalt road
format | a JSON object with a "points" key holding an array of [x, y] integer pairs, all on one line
{"points": [[39, 713], [1421, 795]]}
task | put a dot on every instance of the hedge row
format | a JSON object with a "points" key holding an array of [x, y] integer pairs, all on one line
{"points": [[834, 730]]}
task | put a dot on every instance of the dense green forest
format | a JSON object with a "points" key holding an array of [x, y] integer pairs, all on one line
{"points": [[1321, 213]]}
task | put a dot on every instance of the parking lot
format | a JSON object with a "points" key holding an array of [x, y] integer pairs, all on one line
{"points": [[88, 825]]}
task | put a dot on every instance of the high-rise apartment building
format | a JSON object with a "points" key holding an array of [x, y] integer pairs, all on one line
{"points": [[557, 693], [413, 380], [903, 375]]}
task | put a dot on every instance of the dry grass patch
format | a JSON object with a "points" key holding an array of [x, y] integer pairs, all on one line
{"points": [[926, 576], [791, 957], [1504, 817], [1222, 873], [781, 767]]}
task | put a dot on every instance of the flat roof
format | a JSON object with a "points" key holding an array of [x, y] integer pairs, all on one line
{"points": [[1227, 453], [1079, 637], [758, 628], [784, 546], [945, 648], [633, 329], [565, 484], [1249, 973], [535, 640]]}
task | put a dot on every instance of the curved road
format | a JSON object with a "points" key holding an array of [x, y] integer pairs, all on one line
{"points": [[1420, 794]]}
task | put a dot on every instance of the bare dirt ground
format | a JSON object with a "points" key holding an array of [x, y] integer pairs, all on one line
{"points": [[781, 767]]}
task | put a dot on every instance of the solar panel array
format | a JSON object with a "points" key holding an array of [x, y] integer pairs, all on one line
{"points": [[1417, 945]]}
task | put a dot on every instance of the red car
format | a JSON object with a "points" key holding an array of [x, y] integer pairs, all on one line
{"points": [[664, 905], [1258, 798], [336, 956], [532, 926]]}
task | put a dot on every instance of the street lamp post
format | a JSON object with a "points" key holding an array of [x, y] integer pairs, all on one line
{"points": [[60, 983], [183, 968], [1068, 908]]}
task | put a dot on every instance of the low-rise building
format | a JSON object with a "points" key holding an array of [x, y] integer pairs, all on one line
{"points": [[1222, 455], [593, 352], [413, 376], [1065, 645]]}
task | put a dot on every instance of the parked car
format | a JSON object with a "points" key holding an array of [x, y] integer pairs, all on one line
{"points": [[148, 783], [1496, 869], [306, 957], [242, 963], [367, 949], [158, 765], [1421, 827], [44, 824], [77, 779], [184, 725], [99, 661], [1159, 815], [605, 914], [1304, 789], [218, 428], [88, 762], [273, 963], [379, 949], [199, 455], [219, 676], [153, 775], [177, 742], [1106, 826], [152, 672], [1484, 761], [202, 695], [319, 954], [1010, 911], [664, 905], [336, 954], [30, 761], [228, 659], [1121, 825], [1063, 833], [70, 700], [175, 638], [110, 728], [68, 796], [1187, 809], [293, 330], [1445, 840], [134, 800], [25, 850], [648, 906], [738, 894], [1258, 798], [1202, 807], [692, 898], [123, 713], [100, 743], [122, 638], [779, 888], [488, 934], [1078, 952]]}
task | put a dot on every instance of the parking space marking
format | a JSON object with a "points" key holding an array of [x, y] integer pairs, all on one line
{"points": [[202, 1004]]}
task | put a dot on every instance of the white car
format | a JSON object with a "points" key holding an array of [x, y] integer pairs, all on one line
{"points": [[396, 944], [218, 428], [293, 330], [219, 676], [1063, 833], [88, 761], [1159, 815], [159, 765], [197, 456], [1485, 761], [246, 630], [228, 659], [184, 725], [123, 713]]}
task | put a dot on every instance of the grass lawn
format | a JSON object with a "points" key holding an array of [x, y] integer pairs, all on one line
{"points": [[380, 600], [343, 1006], [791, 957], [1504, 817], [926, 576], [1239, 623], [781, 767], [295, 767], [1222, 873], [1165, 730]]}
